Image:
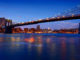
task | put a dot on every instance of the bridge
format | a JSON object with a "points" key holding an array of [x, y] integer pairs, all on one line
{"points": [[71, 15]]}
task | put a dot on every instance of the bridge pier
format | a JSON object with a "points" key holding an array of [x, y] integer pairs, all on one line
{"points": [[8, 30], [8, 27]]}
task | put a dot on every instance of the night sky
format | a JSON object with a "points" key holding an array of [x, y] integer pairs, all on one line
{"points": [[28, 10]]}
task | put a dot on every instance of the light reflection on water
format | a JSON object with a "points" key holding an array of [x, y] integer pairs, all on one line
{"points": [[39, 47]]}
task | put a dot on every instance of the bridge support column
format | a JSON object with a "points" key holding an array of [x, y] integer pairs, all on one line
{"points": [[8, 27], [8, 30]]}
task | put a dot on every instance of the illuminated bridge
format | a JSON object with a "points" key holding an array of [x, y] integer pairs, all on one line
{"points": [[70, 15]]}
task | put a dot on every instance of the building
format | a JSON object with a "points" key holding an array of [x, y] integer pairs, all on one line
{"points": [[32, 30], [2, 22], [26, 30], [17, 30], [38, 27], [79, 28], [38, 30]]}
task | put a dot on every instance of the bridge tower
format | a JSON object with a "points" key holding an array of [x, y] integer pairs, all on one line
{"points": [[8, 27], [8, 22]]}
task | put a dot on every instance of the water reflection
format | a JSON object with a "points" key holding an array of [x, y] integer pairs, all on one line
{"points": [[40, 47], [72, 48], [63, 48]]}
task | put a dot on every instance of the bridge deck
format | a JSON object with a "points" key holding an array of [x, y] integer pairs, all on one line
{"points": [[47, 20]]}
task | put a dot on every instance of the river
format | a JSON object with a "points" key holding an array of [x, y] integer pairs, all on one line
{"points": [[25, 46]]}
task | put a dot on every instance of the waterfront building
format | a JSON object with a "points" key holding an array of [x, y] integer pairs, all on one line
{"points": [[17, 30], [38, 27], [32, 30], [79, 28], [2, 22], [26, 30]]}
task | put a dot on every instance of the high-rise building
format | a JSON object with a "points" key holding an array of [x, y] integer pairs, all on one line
{"points": [[38, 27]]}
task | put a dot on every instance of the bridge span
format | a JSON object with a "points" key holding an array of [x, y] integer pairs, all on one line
{"points": [[8, 29]]}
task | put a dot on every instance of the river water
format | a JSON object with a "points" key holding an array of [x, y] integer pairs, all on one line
{"points": [[39, 46]]}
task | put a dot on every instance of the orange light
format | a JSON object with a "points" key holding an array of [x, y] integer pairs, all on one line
{"points": [[72, 15], [58, 17], [63, 16], [47, 18], [31, 40]]}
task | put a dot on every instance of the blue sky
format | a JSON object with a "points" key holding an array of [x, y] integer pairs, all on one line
{"points": [[28, 10]]}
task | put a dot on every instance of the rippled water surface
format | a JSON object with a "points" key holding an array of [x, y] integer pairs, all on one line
{"points": [[39, 47]]}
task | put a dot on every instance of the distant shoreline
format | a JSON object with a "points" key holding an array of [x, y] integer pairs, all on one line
{"points": [[44, 34]]}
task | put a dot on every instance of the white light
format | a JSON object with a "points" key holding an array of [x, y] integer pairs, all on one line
{"points": [[53, 17], [40, 19]]}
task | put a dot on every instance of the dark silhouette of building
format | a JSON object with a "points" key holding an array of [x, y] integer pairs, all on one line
{"points": [[2, 22], [38, 27], [79, 28]]}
